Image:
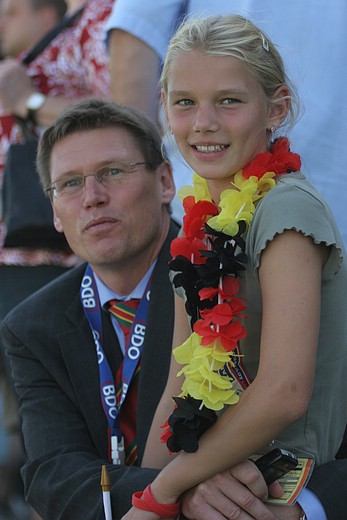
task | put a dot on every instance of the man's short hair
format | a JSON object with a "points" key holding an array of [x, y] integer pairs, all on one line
{"points": [[93, 114]]}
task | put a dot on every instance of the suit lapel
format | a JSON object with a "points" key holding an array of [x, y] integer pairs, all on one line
{"points": [[78, 350], [157, 344]]}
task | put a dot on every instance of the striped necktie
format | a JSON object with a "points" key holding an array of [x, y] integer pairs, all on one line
{"points": [[124, 312]]}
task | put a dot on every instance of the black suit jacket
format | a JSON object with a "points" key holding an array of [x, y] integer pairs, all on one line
{"points": [[54, 366]]}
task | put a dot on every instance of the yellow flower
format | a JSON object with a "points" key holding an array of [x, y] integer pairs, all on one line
{"points": [[212, 396], [199, 190], [184, 352], [202, 378], [260, 186], [214, 352], [192, 348], [265, 184], [185, 191], [235, 206]]}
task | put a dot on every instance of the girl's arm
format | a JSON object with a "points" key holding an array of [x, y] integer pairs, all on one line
{"points": [[290, 278], [156, 453]]}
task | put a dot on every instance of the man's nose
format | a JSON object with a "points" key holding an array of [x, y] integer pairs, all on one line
{"points": [[94, 192]]}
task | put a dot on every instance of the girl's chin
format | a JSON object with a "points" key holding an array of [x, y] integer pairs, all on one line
{"points": [[215, 175]]}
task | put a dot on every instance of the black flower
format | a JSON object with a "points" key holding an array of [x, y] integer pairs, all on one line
{"points": [[188, 422]]}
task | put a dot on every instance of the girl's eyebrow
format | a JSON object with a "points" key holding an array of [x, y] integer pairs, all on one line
{"points": [[222, 92], [179, 92]]}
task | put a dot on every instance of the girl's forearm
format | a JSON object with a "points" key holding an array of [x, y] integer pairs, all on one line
{"points": [[240, 432]]}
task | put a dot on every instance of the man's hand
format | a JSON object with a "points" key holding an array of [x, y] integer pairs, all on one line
{"points": [[238, 493], [286, 513], [15, 87]]}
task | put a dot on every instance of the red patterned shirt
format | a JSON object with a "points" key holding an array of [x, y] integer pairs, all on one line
{"points": [[73, 65]]}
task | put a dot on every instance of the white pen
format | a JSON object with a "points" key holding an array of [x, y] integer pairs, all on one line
{"points": [[106, 495]]}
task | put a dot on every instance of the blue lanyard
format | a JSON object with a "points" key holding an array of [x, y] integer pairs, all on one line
{"points": [[92, 309]]}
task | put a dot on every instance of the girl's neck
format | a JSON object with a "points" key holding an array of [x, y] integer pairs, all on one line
{"points": [[217, 186]]}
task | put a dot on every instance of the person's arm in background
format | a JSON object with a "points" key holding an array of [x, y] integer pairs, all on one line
{"points": [[16, 88], [138, 33], [134, 69], [16, 84]]}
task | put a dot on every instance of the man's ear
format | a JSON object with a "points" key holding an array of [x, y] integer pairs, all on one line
{"points": [[56, 221], [279, 106], [168, 185]]}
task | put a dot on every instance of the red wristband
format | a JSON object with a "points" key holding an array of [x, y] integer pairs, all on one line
{"points": [[145, 500]]}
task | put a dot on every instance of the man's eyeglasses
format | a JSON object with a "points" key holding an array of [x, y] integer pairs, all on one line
{"points": [[107, 175]]}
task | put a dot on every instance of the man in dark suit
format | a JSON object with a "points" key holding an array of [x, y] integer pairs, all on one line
{"points": [[110, 188]]}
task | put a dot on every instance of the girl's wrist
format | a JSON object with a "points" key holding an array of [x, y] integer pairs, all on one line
{"points": [[146, 501], [161, 493]]}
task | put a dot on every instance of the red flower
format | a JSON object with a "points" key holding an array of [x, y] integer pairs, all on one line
{"points": [[196, 216], [279, 160], [188, 203], [220, 314], [228, 332], [166, 432], [230, 286], [229, 335], [237, 305], [208, 293], [189, 249]]}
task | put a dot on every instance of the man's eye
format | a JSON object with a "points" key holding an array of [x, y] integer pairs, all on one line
{"points": [[71, 183], [111, 171]]}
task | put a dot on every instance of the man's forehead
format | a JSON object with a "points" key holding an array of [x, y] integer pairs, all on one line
{"points": [[116, 133], [94, 148]]}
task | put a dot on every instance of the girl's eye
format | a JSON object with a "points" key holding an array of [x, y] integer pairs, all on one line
{"points": [[185, 102], [230, 101]]}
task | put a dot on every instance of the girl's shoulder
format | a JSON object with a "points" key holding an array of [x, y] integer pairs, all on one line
{"points": [[294, 204]]}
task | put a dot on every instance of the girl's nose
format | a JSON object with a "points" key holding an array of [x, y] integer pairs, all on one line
{"points": [[205, 120]]}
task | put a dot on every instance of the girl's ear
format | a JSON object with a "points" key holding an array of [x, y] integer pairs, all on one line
{"points": [[163, 97], [164, 103], [279, 106]]}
